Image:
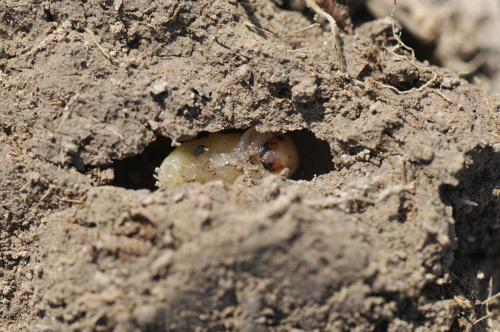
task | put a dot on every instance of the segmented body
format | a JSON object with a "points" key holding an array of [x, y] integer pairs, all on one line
{"points": [[227, 156]]}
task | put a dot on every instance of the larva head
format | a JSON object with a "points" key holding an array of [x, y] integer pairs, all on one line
{"points": [[279, 153]]}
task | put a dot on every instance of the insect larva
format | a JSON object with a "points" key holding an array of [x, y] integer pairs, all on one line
{"points": [[227, 156]]}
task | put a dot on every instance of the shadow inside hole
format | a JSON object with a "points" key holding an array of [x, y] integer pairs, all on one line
{"points": [[476, 214], [424, 51], [137, 172], [314, 155], [361, 15]]}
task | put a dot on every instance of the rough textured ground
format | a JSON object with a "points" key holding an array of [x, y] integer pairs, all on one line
{"points": [[401, 232], [458, 34]]}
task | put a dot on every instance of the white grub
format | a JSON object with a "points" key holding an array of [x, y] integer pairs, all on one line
{"points": [[227, 156]]}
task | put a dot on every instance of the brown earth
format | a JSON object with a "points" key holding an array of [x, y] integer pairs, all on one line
{"points": [[461, 35], [400, 230]]}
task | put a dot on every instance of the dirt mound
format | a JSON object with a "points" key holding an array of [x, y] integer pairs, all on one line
{"points": [[392, 223]]}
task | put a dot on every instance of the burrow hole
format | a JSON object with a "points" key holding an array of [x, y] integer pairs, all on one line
{"points": [[136, 172]]}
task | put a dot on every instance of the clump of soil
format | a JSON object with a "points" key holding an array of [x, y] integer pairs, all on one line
{"points": [[457, 34], [393, 224]]}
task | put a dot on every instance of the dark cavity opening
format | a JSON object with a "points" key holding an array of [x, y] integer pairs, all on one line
{"points": [[136, 172], [476, 203], [361, 15], [424, 51], [314, 155]]}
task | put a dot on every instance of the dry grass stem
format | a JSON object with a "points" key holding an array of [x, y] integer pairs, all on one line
{"points": [[337, 45]]}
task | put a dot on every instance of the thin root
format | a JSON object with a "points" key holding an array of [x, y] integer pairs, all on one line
{"points": [[47, 193], [334, 30], [287, 35], [297, 32], [80, 201], [397, 35], [68, 109], [253, 26], [444, 96], [99, 47], [175, 13], [427, 84], [114, 132], [477, 321]]}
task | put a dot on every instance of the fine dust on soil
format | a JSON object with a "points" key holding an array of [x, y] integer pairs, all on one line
{"points": [[399, 231]]}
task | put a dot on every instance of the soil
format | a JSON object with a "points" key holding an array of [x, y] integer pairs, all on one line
{"points": [[392, 224], [458, 34]]}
